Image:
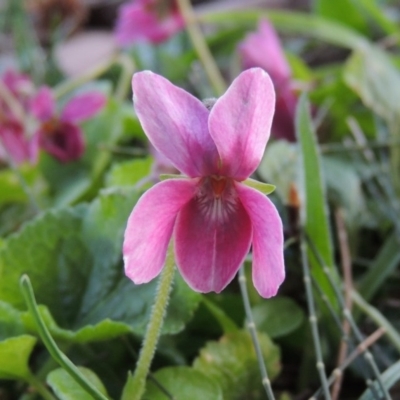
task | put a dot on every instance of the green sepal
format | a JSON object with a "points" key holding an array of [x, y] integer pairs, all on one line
{"points": [[163, 177], [264, 188]]}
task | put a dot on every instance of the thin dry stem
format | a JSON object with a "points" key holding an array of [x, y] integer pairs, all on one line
{"points": [[363, 346], [199, 44]]}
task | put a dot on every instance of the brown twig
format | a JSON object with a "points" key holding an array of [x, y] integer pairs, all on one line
{"points": [[361, 348], [348, 286]]}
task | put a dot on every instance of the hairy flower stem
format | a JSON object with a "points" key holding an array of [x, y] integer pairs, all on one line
{"points": [[205, 56], [253, 332], [135, 385]]}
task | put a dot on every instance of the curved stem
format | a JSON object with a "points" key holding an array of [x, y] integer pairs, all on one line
{"points": [[205, 56], [135, 385], [51, 345]]}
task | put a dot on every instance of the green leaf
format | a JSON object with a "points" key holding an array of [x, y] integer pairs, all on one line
{"points": [[66, 388], [264, 188], [183, 383], [232, 363], [131, 127], [14, 356], [42, 249], [279, 166], [129, 173], [371, 74], [73, 258], [278, 316], [104, 330], [11, 189], [226, 323], [376, 12], [334, 10], [294, 22], [10, 321], [344, 188], [314, 208]]}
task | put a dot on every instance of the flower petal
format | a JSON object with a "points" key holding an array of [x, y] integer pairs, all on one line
{"points": [[263, 49], [65, 142], [137, 22], [43, 104], [13, 142], [150, 226], [83, 106], [268, 262], [20, 85], [175, 123], [211, 242], [240, 122], [284, 118]]}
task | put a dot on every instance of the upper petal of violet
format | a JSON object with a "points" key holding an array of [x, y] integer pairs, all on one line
{"points": [[240, 123], [175, 123], [43, 105], [83, 106], [268, 262], [150, 226]]}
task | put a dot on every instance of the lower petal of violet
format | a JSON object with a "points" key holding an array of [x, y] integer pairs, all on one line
{"points": [[268, 262], [211, 242], [150, 227]]}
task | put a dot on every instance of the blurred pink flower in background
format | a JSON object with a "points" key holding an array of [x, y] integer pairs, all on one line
{"points": [[16, 90], [151, 20], [59, 134], [20, 86], [263, 49], [213, 217]]}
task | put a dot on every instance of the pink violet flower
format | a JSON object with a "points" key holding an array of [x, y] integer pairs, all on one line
{"points": [[211, 214], [263, 49], [59, 134], [151, 20], [161, 164], [14, 142]]}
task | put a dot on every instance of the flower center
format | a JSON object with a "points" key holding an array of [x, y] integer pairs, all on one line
{"points": [[217, 197], [218, 184], [50, 127]]}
